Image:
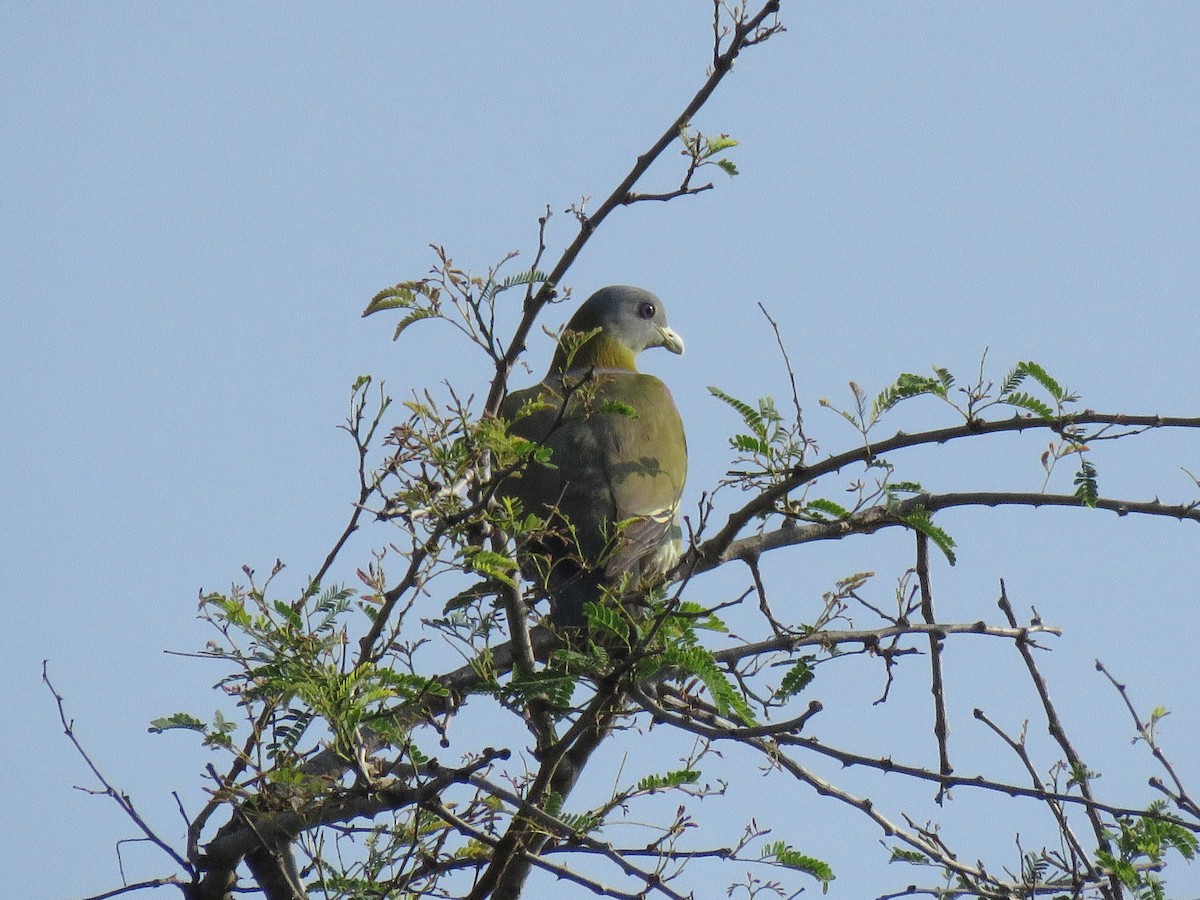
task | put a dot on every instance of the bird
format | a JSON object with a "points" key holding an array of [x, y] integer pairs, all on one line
{"points": [[611, 491]]}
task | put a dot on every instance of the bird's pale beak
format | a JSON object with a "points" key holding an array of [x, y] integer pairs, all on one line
{"points": [[670, 339]]}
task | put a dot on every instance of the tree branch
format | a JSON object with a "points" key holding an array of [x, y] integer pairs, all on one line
{"points": [[876, 517], [713, 551], [119, 797], [722, 64], [941, 728], [1079, 770]]}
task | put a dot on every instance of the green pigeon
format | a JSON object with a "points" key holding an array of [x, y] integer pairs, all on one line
{"points": [[610, 494]]}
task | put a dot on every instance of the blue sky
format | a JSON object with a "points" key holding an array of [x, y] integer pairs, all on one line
{"points": [[198, 200]]}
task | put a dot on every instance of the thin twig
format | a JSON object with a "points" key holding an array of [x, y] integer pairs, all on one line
{"points": [[1059, 734], [873, 637], [119, 797], [573, 837], [787, 361], [1079, 856], [697, 717], [1180, 796], [532, 859]]}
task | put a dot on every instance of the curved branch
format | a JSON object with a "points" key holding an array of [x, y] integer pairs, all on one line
{"points": [[119, 797], [769, 747], [874, 636], [710, 552], [877, 517], [702, 719], [1180, 796]]}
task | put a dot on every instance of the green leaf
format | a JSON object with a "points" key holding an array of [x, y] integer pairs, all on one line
{"points": [[603, 619], [553, 803], [693, 615], [580, 823], [1012, 380], [727, 167], [177, 720], [779, 852], [529, 276], [330, 607], [1053, 388], [751, 416], [669, 780], [291, 616], [415, 316], [828, 507], [906, 386], [920, 520], [722, 142], [1080, 774], [1086, 487], [699, 662], [491, 564], [1125, 871], [293, 724], [749, 444], [1029, 402], [797, 679], [899, 854], [554, 687], [401, 296]]}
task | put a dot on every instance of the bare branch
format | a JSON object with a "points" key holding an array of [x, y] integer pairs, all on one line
{"points": [[1146, 733], [575, 840], [1058, 733], [941, 728], [874, 518], [1079, 856], [119, 797], [873, 637]]}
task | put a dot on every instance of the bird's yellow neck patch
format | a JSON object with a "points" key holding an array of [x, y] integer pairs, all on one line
{"points": [[599, 352]]}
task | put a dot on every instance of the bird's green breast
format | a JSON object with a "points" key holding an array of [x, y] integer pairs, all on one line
{"points": [[617, 449]]}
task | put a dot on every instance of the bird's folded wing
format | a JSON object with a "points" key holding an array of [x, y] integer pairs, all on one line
{"points": [[645, 545]]}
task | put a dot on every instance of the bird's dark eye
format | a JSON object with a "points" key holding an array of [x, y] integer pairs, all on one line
{"points": [[646, 309]]}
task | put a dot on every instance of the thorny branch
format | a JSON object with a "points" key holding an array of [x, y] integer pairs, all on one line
{"points": [[1059, 734], [715, 552], [937, 685], [718, 548]]}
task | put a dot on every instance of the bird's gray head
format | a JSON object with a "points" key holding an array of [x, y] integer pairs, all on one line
{"points": [[631, 316]]}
